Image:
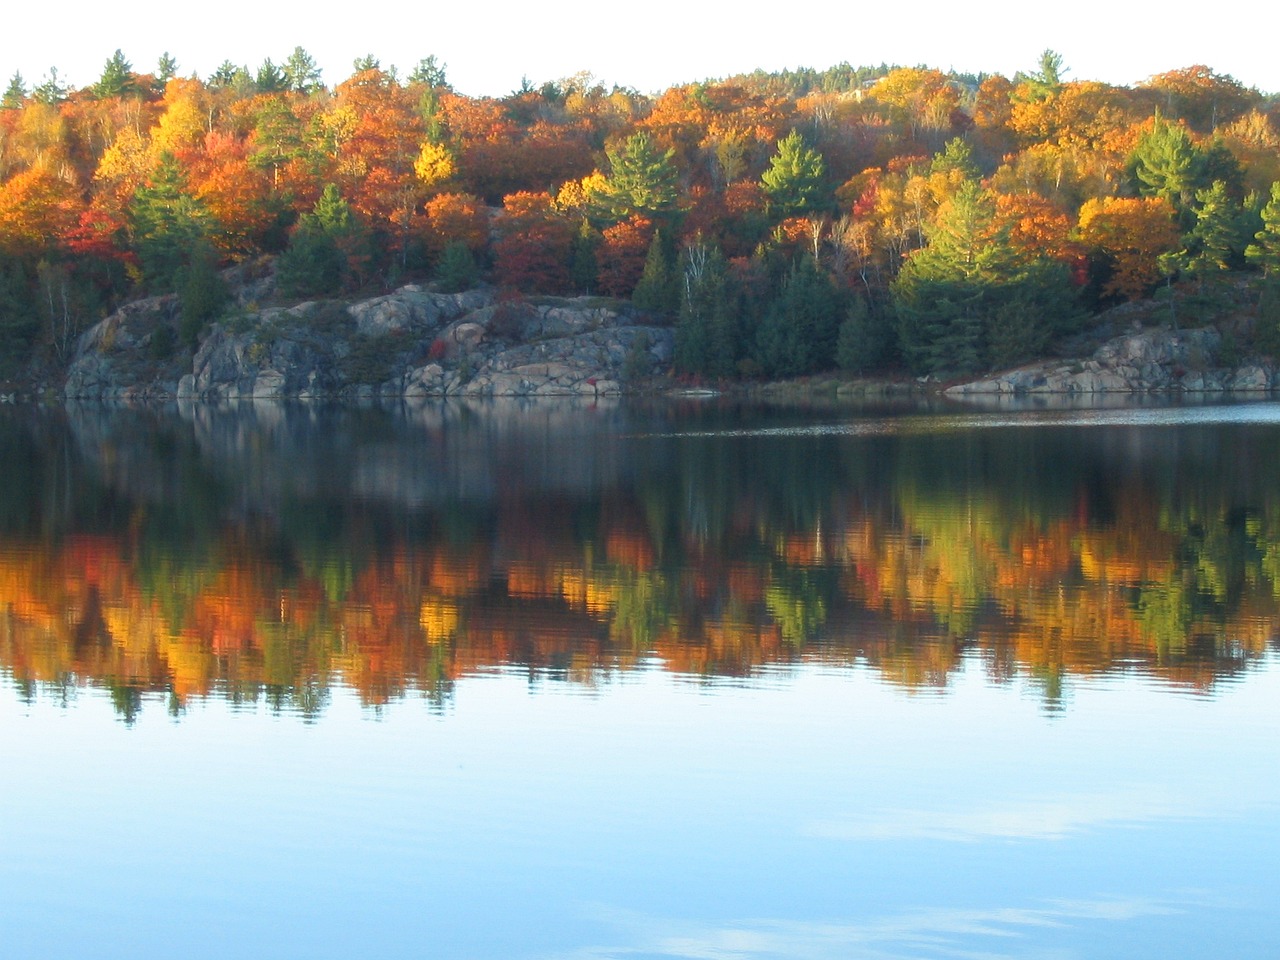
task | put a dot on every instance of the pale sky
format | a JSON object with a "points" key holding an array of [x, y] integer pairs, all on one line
{"points": [[489, 47]]}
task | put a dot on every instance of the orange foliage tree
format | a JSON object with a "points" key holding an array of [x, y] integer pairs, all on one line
{"points": [[1132, 233], [455, 218], [35, 209]]}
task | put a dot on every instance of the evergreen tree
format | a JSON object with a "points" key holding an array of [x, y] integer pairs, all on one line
{"points": [[584, 265], [1051, 69], [707, 335], [15, 94], [270, 78], [166, 223], [230, 77], [955, 155], [864, 341], [19, 321], [1017, 329], [794, 181], [1221, 164], [941, 323], [1215, 243], [1264, 252], [326, 251], [1046, 81], [798, 332], [964, 242], [658, 290], [279, 137], [1266, 331], [642, 180], [52, 90], [968, 300], [117, 78], [312, 265], [430, 73], [202, 293], [301, 75], [457, 269], [1167, 163], [166, 69]]}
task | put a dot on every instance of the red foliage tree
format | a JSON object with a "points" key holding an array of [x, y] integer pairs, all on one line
{"points": [[534, 246], [622, 255]]}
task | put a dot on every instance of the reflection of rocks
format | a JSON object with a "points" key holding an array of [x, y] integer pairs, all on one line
{"points": [[412, 343], [1152, 361], [262, 455]]}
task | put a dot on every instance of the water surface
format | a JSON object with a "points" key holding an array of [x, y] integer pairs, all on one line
{"points": [[697, 680]]}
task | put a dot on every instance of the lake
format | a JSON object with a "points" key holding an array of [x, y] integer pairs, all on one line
{"points": [[677, 679]]}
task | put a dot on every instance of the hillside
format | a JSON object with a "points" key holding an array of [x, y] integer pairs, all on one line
{"points": [[869, 220]]}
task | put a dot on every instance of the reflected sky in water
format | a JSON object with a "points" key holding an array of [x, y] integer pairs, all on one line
{"points": [[825, 815], [1010, 414]]}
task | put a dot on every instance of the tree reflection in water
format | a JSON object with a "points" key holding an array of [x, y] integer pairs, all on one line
{"points": [[268, 553]]}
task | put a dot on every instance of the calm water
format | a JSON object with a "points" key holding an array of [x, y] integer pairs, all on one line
{"points": [[632, 681]]}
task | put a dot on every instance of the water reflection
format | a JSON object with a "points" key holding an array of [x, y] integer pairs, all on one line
{"points": [[267, 553]]}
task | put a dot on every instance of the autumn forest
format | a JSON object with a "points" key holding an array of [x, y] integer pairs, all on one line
{"points": [[862, 218]]}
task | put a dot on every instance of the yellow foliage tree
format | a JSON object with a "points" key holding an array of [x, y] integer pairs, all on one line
{"points": [[435, 166]]}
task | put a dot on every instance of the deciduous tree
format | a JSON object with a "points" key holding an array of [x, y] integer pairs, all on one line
{"points": [[1132, 233]]}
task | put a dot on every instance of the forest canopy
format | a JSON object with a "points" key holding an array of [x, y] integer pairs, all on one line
{"points": [[861, 217]]}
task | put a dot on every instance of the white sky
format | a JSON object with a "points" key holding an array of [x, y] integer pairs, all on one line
{"points": [[488, 47]]}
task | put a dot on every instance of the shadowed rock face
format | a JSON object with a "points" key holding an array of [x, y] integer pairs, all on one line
{"points": [[1151, 361], [411, 343]]}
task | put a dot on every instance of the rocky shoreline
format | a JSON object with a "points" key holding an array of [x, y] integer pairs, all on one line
{"points": [[415, 344], [1151, 361], [410, 343]]}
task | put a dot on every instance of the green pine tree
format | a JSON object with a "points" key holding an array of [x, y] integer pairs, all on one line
{"points": [[19, 320], [202, 293], [707, 336], [301, 75], [658, 289], [166, 223], [270, 78], [1215, 244], [967, 300], [15, 94], [457, 269], [864, 341], [430, 72], [117, 78], [584, 265], [955, 155], [798, 332], [1264, 252], [794, 182], [1167, 163], [51, 90], [166, 69], [642, 180], [327, 250]]}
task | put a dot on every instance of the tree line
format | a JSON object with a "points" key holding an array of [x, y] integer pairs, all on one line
{"points": [[862, 218]]}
